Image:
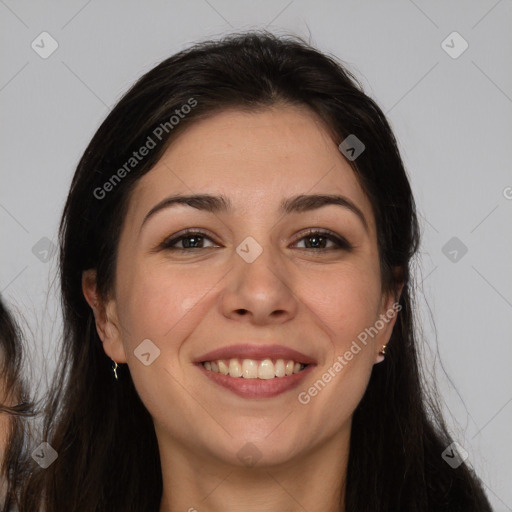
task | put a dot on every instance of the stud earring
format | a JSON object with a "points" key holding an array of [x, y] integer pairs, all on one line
{"points": [[381, 355]]}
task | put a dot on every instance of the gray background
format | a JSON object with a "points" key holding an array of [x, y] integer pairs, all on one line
{"points": [[452, 117]]}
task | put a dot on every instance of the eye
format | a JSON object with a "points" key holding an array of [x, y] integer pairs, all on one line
{"points": [[192, 239], [315, 239], [318, 239]]}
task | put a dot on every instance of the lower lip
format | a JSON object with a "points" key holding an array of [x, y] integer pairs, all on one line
{"points": [[257, 388]]}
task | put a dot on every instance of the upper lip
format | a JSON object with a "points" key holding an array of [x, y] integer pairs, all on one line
{"points": [[251, 351]]}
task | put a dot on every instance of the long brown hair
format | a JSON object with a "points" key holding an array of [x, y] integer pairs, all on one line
{"points": [[398, 433]]}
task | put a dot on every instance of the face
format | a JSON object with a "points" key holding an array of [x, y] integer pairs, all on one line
{"points": [[253, 276]]}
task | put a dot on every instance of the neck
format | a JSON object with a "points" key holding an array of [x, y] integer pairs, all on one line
{"points": [[311, 481]]}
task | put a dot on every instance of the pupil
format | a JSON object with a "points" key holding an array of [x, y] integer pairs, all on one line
{"points": [[317, 240], [192, 238]]}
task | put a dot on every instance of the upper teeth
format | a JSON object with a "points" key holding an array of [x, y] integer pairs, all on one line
{"points": [[254, 369]]}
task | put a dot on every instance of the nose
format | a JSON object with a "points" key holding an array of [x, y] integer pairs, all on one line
{"points": [[260, 292]]}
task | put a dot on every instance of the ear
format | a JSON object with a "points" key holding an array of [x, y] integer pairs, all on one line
{"points": [[105, 316], [388, 313]]}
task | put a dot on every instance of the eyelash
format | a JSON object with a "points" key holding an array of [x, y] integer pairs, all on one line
{"points": [[324, 233]]}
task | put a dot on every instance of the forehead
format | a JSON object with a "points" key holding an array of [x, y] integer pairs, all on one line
{"points": [[255, 159]]}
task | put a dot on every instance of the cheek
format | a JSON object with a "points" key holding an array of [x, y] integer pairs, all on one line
{"points": [[345, 301], [159, 302], [163, 305]]}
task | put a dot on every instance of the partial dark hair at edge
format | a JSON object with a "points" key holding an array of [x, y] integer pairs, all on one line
{"points": [[16, 404], [397, 438]]}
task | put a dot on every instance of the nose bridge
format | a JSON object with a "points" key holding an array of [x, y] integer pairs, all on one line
{"points": [[258, 261], [257, 236]]}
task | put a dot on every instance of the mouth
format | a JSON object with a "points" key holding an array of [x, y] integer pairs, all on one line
{"points": [[249, 378], [255, 370]]}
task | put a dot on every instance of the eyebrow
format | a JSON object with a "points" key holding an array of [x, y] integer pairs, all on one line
{"points": [[219, 204]]}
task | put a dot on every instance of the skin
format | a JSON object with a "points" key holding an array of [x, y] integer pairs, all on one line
{"points": [[315, 300]]}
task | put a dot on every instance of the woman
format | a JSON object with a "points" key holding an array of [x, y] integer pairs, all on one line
{"points": [[235, 254], [13, 408]]}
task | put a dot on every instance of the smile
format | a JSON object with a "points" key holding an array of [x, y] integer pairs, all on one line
{"points": [[267, 386]]}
